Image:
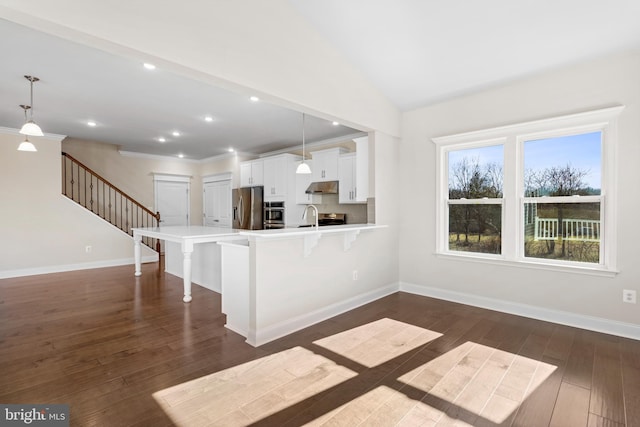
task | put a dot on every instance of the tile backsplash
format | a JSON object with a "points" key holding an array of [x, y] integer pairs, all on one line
{"points": [[356, 213]]}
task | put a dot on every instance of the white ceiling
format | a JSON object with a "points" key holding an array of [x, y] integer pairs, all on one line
{"points": [[133, 106], [418, 52]]}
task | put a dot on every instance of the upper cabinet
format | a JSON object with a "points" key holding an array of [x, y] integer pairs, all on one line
{"points": [[354, 173], [325, 164], [347, 178], [252, 173], [279, 177]]}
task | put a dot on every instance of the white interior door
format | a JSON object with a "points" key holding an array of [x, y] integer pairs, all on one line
{"points": [[217, 203], [172, 201]]}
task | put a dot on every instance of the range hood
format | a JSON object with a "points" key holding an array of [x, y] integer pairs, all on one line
{"points": [[325, 187]]}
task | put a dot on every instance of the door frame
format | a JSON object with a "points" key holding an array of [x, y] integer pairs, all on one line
{"points": [[158, 177]]}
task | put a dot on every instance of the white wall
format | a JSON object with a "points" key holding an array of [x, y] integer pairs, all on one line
{"points": [[41, 230], [596, 84]]}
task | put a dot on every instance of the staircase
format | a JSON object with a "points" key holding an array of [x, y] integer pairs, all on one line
{"points": [[90, 190]]}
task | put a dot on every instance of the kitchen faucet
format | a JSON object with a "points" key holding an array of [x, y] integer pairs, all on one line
{"points": [[304, 214]]}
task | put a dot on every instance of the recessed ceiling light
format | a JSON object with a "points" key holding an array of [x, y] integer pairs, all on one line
{"points": [[181, 155], [91, 123], [254, 99], [335, 123], [208, 119], [175, 133], [149, 66], [231, 150], [162, 139]]}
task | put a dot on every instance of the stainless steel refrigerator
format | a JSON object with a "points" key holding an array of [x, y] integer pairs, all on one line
{"points": [[247, 205]]}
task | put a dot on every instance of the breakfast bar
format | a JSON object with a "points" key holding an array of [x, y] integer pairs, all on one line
{"points": [[187, 237], [274, 282]]}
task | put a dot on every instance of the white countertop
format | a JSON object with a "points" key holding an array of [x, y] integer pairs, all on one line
{"points": [[211, 234], [307, 231], [192, 232]]}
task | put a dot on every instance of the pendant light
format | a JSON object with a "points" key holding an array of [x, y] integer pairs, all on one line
{"points": [[26, 145], [30, 127], [303, 168]]}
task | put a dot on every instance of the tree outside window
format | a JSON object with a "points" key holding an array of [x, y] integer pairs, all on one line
{"points": [[475, 199]]}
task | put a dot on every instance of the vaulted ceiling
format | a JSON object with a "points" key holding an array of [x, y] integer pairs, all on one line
{"points": [[415, 52]]}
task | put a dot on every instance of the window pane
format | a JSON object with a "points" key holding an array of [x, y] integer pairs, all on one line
{"points": [[562, 231], [476, 173], [475, 228], [563, 166]]}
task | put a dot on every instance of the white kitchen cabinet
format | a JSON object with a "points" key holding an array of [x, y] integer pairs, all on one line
{"points": [[279, 177], [354, 174], [325, 164], [275, 176], [251, 173], [347, 179], [302, 183]]}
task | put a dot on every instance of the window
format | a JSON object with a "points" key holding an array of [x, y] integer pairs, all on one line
{"points": [[475, 199], [535, 194], [562, 192]]}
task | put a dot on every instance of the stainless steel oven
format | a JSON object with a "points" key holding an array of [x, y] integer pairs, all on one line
{"points": [[273, 215]]}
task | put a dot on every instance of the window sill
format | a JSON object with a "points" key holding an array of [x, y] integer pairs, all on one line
{"points": [[588, 270]]}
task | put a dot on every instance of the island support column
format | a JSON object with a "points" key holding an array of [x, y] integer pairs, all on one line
{"points": [[137, 257], [187, 250]]}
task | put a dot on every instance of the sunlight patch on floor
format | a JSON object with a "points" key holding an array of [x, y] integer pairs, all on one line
{"points": [[377, 342], [470, 383], [251, 391], [478, 381]]}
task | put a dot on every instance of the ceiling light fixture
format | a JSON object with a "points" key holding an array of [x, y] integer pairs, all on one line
{"points": [[303, 168], [149, 66], [208, 119], [30, 127], [175, 133], [162, 139], [91, 123], [335, 123], [181, 155], [230, 149], [26, 145], [254, 99]]}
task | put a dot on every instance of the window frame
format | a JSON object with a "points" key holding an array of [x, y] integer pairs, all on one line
{"points": [[513, 138], [463, 201]]}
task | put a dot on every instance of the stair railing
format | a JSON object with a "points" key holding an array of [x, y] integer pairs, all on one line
{"points": [[90, 190]]}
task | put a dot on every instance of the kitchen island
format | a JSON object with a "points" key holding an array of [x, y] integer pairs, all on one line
{"points": [[297, 277], [275, 282]]}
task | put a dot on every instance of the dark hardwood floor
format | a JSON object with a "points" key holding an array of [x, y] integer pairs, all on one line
{"points": [[105, 342]]}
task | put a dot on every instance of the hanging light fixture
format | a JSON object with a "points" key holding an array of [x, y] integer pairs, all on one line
{"points": [[26, 145], [303, 168], [30, 127]]}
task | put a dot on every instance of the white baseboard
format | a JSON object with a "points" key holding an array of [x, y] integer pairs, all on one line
{"points": [[72, 267], [263, 336], [628, 330]]}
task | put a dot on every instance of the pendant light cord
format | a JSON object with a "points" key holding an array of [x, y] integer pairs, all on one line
{"points": [[303, 155]]}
